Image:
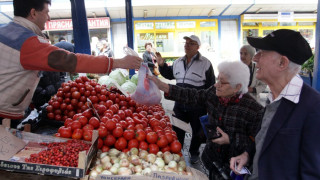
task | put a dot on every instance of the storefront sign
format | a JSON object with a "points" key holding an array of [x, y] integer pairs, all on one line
{"points": [[186, 24], [285, 16], [164, 25], [145, 25], [66, 24], [162, 36], [146, 36]]}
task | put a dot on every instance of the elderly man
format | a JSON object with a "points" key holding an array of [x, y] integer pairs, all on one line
{"points": [[286, 145], [26, 52], [193, 71]]}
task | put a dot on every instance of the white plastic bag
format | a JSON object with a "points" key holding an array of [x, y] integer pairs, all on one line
{"points": [[147, 92]]}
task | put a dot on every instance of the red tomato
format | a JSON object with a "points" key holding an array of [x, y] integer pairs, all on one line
{"points": [[76, 125], [100, 143], [140, 135], [87, 135], [153, 148], [109, 140], [49, 108], [121, 114], [50, 115], [132, 103], [65, 132], [165, 149], [102, 131], [68, 122], [175, 147], [77, 134], [112, 96], [162, 142], [56, 105], [128, 134], [143, 145], [105, 149], [109, 103], [101, 109], [110, 125], [152, 137], [83, 120], [133, 143], [117, 132], [94, 122], [123, 124], [88, 127], [76, 95], [121, 144]]}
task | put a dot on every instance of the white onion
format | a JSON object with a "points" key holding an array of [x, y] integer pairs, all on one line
{"points": [[151, 158], [159, 162], [114, 152], [124, 171], [106, 172], [146, 172]]}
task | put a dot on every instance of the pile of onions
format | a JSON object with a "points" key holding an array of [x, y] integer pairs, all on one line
{"points": [[135, 162]]}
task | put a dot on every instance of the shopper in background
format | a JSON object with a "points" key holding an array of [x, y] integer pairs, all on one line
{"points": [[104, 48], [28, 52], [286, 146], [193, 71], [150, 58], [65, 45], [255, 86], [231, 111]]}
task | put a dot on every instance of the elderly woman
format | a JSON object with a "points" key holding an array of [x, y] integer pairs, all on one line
{"points": [[231, 109], [255, 86]]}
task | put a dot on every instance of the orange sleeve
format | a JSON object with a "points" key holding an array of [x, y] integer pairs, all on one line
{"points": [[35, 51]]}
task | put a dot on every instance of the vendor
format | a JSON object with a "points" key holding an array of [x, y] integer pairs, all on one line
{"points": [[26, 52]]}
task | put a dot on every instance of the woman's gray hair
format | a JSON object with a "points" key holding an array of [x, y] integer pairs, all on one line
{"points": [[251, 50], [237, 73]]}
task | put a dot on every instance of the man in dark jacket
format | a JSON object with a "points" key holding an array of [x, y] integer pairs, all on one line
{"points": [[286, 145], [65, 45], [192, 71]]}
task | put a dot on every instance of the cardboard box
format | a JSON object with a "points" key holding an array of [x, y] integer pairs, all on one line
{"points": [[13, 141]]}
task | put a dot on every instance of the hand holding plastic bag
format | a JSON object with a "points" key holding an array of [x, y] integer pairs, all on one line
{"points": [[147, 92]]}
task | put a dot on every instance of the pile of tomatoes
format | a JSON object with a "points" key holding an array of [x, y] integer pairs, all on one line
{"points": [[123, 123], [60, 153]]}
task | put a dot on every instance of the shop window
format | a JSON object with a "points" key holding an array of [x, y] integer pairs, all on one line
{"points": [[306, 23], [269, 24], [288, 23], [307, 34], [249, 24], [266, 32], [207, 24], [165, 42], [144, 25], [186, 24], [142, 39], [249, 33], [207, 40], [164, 25]]}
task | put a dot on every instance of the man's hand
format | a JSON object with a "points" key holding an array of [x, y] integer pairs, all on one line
{"points": [[224, 139], [159, 59], [128, 62], [161, 85], [250, 89], [240, 161]]}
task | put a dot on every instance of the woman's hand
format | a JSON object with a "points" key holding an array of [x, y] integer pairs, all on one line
{"points": [[239, 162], [224, 139], [161, 85], [159, 59]]}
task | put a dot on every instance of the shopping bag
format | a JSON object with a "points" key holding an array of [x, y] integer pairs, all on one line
{"points": [[147, 92], [204, 121]]}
